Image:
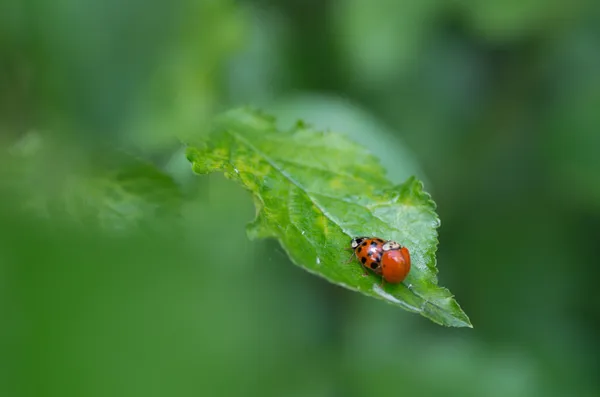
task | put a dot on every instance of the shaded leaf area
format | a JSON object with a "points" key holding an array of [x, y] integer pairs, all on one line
{"points": [[108, 189], [314, 191]]}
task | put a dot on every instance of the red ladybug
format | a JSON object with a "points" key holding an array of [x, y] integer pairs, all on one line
{"points": [[385, 258]]}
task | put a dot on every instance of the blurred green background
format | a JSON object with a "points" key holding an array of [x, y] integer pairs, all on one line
{"points": [[494, 104]]}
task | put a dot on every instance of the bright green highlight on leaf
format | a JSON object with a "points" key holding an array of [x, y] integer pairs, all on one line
{"points": [[314, 191]]}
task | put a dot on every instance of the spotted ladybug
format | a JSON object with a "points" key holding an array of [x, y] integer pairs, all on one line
{"points": [[385, 258]]}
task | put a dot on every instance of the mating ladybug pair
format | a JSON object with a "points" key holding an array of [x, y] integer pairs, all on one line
{"points": [[385, 258]]}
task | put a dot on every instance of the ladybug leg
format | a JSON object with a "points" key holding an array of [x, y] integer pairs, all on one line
{"points": [[365, 271], [350, 259], [382, 282]]}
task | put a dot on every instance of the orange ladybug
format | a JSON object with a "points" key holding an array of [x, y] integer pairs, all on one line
{"points": [[385, 258]]}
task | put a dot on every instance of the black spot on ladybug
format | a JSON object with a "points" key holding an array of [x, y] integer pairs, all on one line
{"points": [[373, 244], [359, 249], [363, 260], [374, 265], [379, 240]]}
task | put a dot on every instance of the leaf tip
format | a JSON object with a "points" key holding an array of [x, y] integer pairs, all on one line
{"points": [[465, 323], [459, 317]]}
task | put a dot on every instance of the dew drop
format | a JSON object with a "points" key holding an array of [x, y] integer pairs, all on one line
{"points": [[318, 260]]}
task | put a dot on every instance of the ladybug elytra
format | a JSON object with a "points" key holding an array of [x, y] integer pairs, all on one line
{"points": [[385, 258]]}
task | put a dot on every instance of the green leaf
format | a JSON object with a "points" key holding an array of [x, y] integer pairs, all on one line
{"points": [[314, 191], [121, 192], [108, 188]]}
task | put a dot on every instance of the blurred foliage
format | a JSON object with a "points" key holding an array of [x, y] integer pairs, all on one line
{"points": [[108, 189], [494, 104]]}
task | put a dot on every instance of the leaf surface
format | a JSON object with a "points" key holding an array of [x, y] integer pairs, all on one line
{"points": [[314, 191]]}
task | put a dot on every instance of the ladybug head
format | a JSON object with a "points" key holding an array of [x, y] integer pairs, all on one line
{"points": [[356, 241], [391, 245]]}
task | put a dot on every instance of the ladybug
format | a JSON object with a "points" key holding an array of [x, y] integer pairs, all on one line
{"points": [[385, 258]]}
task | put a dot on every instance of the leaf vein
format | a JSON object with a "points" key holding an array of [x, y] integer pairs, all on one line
{"points": [[286, 176]]}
